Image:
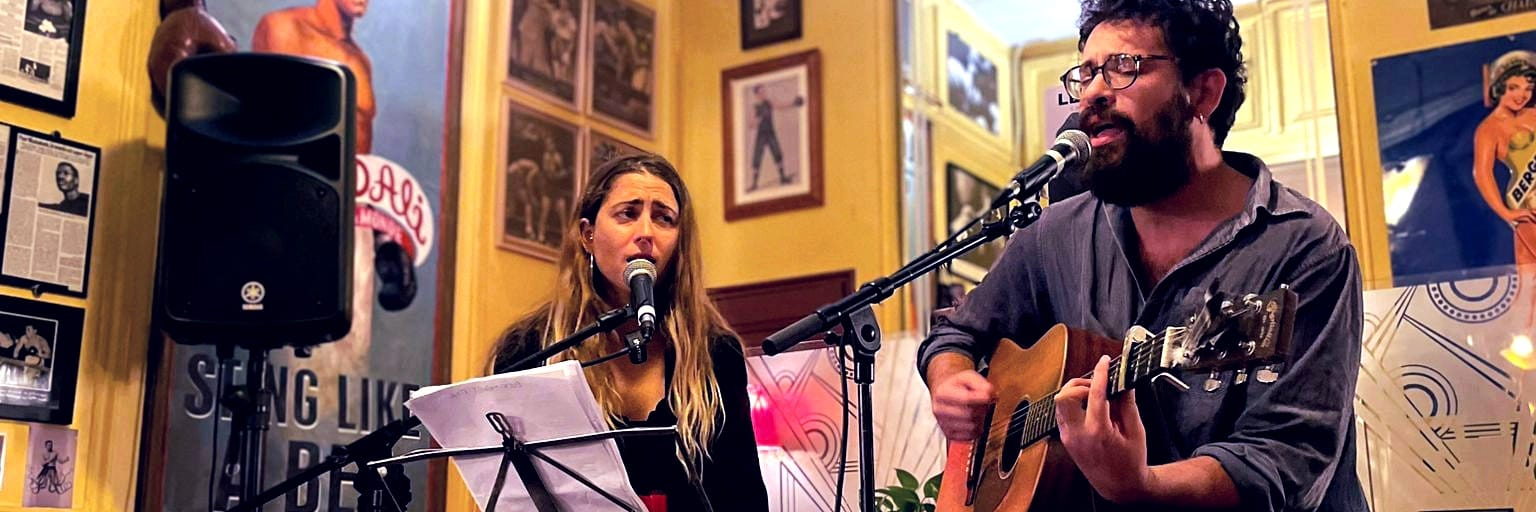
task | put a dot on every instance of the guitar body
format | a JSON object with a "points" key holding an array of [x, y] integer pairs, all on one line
{"points": [[1035, 477]]}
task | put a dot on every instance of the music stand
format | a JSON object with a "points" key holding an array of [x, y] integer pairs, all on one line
{"points": [[517, 453]]}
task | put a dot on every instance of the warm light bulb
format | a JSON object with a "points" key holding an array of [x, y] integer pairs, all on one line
{"points": [[1519, 352], [1521, 346]]}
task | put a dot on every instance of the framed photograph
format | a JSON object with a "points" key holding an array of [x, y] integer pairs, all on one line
{"points": [[966, 196], [772, 133], [623, 64], [764, 22], [972, 79], [543, 55], [538, 182], [49, 212], [40, 64], [602, 149], [39, 360]]}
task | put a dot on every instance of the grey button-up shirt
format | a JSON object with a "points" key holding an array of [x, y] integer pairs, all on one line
{"points": [[1288, 445]]}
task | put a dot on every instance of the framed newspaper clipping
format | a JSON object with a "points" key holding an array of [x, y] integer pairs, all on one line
{"points": [[40, 53], [50, 209]]}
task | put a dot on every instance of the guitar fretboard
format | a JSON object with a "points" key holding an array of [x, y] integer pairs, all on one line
{"points": [[1039, 418]]}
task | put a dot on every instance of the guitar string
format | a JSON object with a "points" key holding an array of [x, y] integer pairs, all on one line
{"points": [[1036, 425]]}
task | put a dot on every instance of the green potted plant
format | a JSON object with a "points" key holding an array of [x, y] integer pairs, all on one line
{"points": [[908, 495]]}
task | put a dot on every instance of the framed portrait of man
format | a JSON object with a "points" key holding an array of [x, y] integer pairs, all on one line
{"points": [[602, 148], [764, 22], [538, 181], [623, 46], [772, 133], [543, 54]]}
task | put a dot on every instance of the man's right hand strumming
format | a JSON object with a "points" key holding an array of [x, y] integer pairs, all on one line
{"points": [[960, 396]]}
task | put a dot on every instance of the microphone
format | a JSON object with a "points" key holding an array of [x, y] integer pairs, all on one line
{"points": [[1071, 149], [641, 275]]}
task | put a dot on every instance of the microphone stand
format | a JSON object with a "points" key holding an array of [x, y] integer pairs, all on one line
{"points": [[370, 447], [861, 330]]}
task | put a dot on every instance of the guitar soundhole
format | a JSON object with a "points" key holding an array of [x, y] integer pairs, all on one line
{"points": [[1013, 444]]}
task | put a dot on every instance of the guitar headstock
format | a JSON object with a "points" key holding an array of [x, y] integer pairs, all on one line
{"points": [[1232, 332]]}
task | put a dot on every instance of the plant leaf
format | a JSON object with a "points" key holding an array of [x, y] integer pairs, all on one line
{"points": [[931, 487], [903, 497], [907, 480]]}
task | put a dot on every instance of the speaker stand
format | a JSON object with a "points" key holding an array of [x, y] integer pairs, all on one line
{"points": [[249, 407]]}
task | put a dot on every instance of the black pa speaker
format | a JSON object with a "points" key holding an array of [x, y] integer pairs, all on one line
{"points": [[256, 225]]}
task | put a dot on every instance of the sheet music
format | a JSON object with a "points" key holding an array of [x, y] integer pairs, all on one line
{"points": [[541, 403]]}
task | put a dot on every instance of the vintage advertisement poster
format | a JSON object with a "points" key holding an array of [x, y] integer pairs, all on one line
{"points": [[399, 52], [1458, 138]]}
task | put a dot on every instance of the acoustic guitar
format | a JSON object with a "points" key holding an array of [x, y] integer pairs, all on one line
{"points": [[1020, 465]]}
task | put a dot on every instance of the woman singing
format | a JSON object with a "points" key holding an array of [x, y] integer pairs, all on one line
{"points": [[637, 207], [1508, 135]]}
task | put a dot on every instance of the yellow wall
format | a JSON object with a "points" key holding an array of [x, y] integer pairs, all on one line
{"points": [[1360, 35], [113, 113], [858, 226]]}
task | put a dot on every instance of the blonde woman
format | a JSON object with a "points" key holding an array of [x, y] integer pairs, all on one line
{"points": [[637, 207]]}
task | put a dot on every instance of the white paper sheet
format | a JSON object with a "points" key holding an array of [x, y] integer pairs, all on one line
{"points": [[541, 403]]}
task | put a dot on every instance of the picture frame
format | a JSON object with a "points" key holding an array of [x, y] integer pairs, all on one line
{"points": [[39, 360], [42, 70], [537, 181], [48, 224], [766, 22], [546, 49], [603, 148], [967, 195], [972, 85], [772, 116], [622, 65]]}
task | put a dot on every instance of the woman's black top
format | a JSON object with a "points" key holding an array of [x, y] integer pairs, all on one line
{"points": [[730, 478]]}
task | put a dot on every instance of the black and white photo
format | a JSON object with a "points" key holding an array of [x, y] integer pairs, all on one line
{"points": [[37, 71], [39, 359], [50, 18], [623, 63], [603, 149], [973, 84], [50, 209], [546, 35], [538, 182], [968, 196], [764, 22], [52, 460]]}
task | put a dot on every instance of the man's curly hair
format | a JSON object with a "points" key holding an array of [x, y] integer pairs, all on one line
{"points": [[1201, 34]]}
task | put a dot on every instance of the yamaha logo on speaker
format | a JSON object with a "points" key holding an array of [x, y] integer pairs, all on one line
{"points": [[252, 293]]}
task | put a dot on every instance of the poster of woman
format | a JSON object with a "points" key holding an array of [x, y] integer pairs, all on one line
{"points": [[1457, 135]]}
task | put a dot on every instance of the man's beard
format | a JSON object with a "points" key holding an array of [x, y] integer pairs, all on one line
{"points": [[1150, 163]]}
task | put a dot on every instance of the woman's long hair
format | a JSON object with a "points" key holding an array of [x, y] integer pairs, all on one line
{"points": [[690, 321]]}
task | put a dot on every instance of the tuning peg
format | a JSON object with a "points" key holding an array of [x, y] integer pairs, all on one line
{"points": [[1267, 374], [1241, 377], [1213, 382]]}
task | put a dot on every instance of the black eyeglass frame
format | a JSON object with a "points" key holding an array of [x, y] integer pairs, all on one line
{"points": [[1075, 87]]}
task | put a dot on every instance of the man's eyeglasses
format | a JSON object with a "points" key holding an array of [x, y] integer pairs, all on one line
{"points": [[1120, 71]]}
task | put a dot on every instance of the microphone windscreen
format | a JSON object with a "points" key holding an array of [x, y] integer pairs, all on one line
{"points": [[639, 266]]}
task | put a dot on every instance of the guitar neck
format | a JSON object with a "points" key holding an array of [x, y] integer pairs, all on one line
{"points": [[1145, 362]]}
